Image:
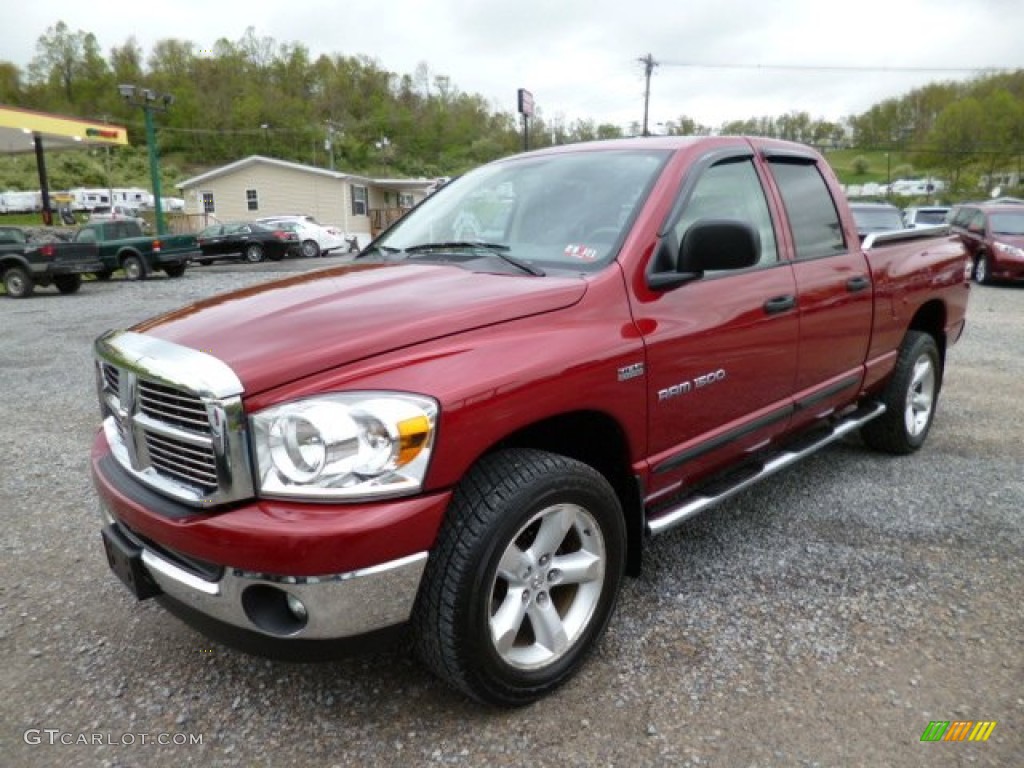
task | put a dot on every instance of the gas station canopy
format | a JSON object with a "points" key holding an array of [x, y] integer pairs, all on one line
{"points": [[21, 128]]}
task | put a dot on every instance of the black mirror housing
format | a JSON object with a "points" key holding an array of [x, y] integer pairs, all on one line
{"points": [[716, 244]]}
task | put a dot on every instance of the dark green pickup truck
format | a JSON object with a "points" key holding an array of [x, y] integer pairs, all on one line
{"points": [[25, 263], [123, 245]]}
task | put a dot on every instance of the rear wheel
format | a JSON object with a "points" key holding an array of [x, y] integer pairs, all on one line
{"points": [[254, 253], [68, 283], [310, 249], [523, 578], [910, 398], [18, 282], [133, 268]]}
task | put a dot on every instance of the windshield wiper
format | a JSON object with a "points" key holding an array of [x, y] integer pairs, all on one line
{"points": [[493, 249], [456, 244]]}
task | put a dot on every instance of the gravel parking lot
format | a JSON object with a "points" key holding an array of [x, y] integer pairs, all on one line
{"points": [[822, 618]]}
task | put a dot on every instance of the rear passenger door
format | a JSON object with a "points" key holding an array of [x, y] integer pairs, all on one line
{"points": [[834, 289]]}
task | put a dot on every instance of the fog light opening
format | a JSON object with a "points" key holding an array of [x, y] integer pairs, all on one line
{"points": [[274, 611]]}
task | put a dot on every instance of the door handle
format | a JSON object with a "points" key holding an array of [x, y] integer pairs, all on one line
{"points": [[779, 304], [858, 283]]}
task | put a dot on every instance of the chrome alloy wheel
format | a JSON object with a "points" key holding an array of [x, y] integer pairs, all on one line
{"points": [[547, 586], [920, 396]]}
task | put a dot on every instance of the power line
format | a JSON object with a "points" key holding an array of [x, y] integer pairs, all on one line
{"points": [[833, 67]]}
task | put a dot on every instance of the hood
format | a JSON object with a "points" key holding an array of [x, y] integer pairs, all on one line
{"points": [[278, 332]]}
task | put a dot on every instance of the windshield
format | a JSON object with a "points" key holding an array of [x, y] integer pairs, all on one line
{"points": [[1007, 223], [566, 210]]}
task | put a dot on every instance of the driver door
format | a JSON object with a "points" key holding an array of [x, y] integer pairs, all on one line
{"points": [[722, 349]]}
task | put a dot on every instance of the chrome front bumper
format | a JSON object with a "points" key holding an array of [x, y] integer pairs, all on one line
{"points": [[334, 606]]}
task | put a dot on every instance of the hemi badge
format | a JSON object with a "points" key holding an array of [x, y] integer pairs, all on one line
{"points": [[628, 372]]}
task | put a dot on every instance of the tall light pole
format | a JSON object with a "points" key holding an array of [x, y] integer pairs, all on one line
{"points": [[149, 102]]}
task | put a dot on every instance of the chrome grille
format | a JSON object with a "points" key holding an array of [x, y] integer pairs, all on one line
{"points": [[173, 406], [194, 465], [111, 376], [174, 418]]}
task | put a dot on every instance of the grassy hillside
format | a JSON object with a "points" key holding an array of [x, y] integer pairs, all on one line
{"points": [[879, 168]]}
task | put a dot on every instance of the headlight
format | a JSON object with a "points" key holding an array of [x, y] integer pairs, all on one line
{"points": [[1010, 250], [352, 445]]}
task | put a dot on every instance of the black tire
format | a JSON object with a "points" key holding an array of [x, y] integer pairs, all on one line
{"points": [[310, 249], [68, 283], [206, 262], [133, 268], [18, 282], [175, 270], [104, 275], [910, 398], [493, 520], [253, 253], [982, 269]]}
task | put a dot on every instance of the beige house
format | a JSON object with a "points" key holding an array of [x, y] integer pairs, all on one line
{"points": [[256, 187]]}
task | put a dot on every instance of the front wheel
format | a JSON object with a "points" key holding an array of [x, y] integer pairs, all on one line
{"points": [[68, 283], [254, 253], [18, 282], [523, 578], [910, 398], [133, 268], [175, 270], [982, 271]]}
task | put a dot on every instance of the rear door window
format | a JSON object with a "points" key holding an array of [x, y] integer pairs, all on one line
{"points": [[813, 217]]}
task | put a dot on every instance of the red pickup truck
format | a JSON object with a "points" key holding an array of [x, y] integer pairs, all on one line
{"points": [[470, 430]]}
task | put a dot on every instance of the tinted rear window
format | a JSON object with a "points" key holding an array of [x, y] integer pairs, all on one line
{"points": [[812, 213]]}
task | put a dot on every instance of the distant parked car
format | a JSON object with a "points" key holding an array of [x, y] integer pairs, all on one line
{"points": [[317, 239], [930, 216], [248, 240], [876, 217], [994, 236], [116, 212]]}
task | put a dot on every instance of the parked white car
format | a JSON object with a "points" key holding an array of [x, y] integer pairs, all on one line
{"points": [[317, 239]]}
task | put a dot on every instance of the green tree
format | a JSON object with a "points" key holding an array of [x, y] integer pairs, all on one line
{"points": [[955, 139], [10, 83], [1002, 131], [59, 60]]}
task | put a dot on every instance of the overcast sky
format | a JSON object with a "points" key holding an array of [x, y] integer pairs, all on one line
{"points": [[579, 58]]}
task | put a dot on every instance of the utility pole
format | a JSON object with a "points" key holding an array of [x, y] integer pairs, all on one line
{"points": [[649, 65]]}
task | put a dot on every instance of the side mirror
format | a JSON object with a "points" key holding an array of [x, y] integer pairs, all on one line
{"points": [[708, 245]]}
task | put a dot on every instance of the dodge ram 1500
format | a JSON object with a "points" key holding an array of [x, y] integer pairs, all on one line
{"points": [[469, 432]]}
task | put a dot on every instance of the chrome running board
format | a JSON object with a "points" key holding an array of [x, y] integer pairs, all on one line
{"points": [[703, 499]]}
